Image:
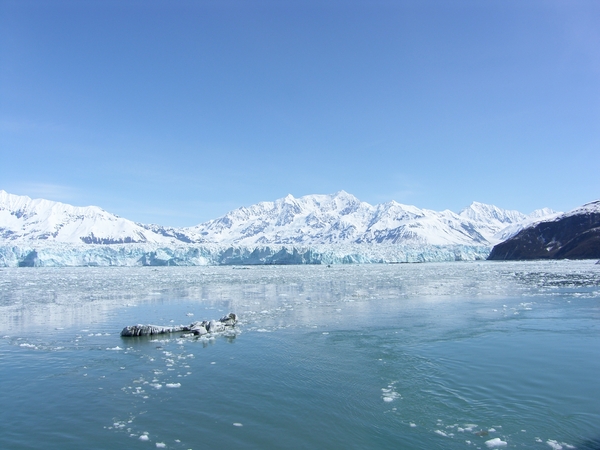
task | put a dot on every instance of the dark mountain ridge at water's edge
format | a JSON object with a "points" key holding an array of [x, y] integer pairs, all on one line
{"points": [[574, 235]]}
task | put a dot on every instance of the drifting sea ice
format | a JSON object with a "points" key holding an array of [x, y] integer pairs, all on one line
{"points": [[496, 442], [433, 327]]}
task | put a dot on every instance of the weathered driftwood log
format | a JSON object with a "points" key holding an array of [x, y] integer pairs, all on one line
{"points": [[197, 328]]}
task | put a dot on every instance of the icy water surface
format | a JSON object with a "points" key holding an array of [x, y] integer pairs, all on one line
{"points": [[421, 356]]}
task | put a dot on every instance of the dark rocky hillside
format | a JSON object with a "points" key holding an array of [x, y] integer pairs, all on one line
{"points": [[575, 235]]}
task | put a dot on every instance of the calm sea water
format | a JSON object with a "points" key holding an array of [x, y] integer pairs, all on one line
{"points": [[421, 356]]}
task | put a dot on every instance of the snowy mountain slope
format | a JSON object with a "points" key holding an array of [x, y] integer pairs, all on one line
{"points": [[342, 218], [24, 219], [334, 219], [537, 216], [573, 235]]}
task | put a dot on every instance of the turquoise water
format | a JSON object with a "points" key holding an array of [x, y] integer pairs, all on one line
{"points": [[423, 356]]}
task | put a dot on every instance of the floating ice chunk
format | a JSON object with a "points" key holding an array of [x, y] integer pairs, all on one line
{"points": [[441, 433], [173, 385], [161, 444], [144, 437], [156, 385], [237, 424], [413, 425], [388, 394], [496, 442], [27, 345], [114, 348]]}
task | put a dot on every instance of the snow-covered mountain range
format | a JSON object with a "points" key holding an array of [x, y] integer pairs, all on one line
{"points": [[334, 219], [23, 219], [342, 218]]}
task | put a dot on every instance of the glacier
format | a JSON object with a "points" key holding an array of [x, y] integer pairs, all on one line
{"points": [[65, 255], [314, 229]]}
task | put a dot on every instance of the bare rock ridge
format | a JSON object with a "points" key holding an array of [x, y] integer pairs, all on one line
{"points": [[574, 235]]}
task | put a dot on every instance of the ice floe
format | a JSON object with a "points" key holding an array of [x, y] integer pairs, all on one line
{"points": [[496, 442]]}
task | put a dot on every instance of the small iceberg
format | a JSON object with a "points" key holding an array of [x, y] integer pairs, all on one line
{"points": [[496, 442], [196, 328]]}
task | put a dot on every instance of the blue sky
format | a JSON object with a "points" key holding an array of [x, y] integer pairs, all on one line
{"points": [[175, 112]]}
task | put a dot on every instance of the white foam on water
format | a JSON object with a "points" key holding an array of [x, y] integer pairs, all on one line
{"points": [[114, 348], [558, 445], [28, 345], [441, 433], [389, 394], [496, 442], [173, 385], [156, 385], [237, 424]]}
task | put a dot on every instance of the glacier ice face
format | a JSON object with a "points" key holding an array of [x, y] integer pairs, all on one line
{"points": [[59, 255], [314, 229]]}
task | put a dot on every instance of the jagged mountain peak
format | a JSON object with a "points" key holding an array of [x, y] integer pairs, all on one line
{"points": [[23, 218], [483, 212], [338, 218]]}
